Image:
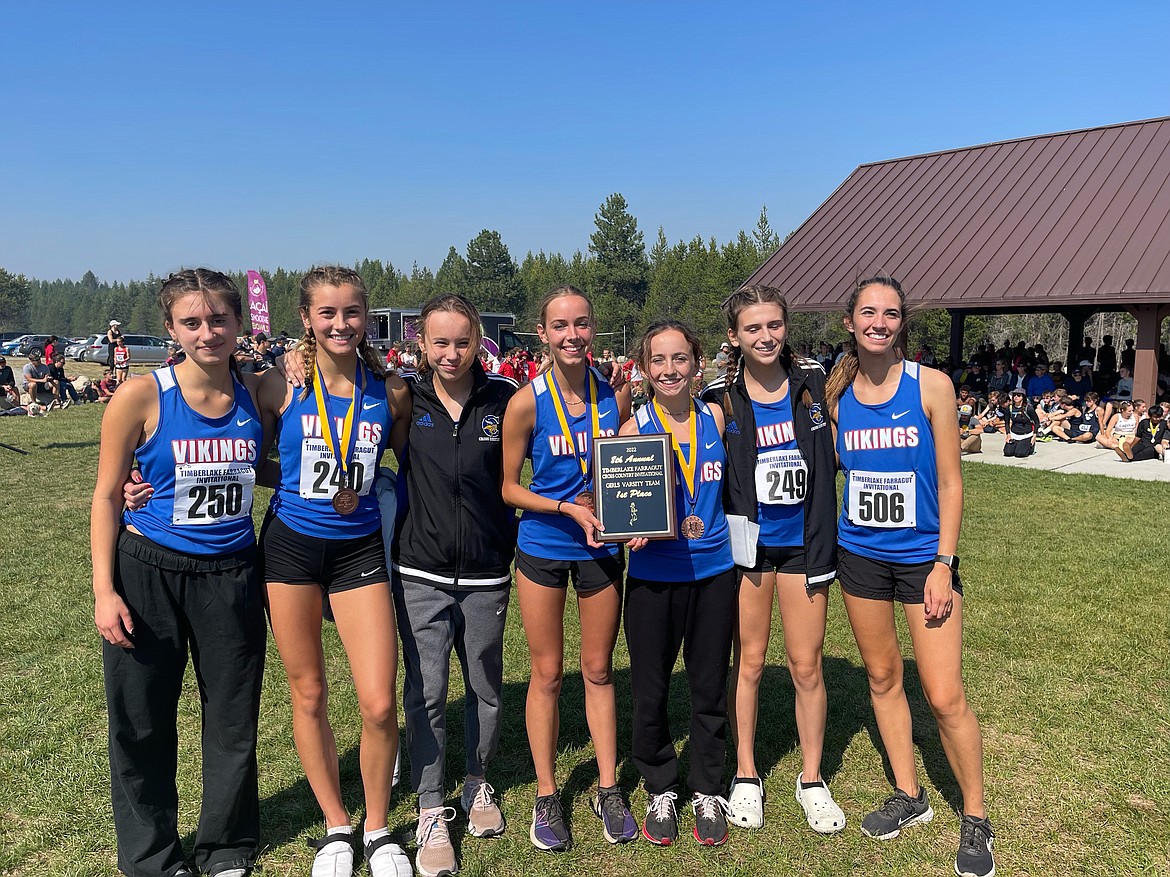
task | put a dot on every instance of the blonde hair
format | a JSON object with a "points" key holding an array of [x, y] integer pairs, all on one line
{"points": [[451, 303], [334, 275]]}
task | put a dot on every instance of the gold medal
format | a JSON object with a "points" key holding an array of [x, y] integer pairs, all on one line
{"points": [[692, 527], [345, 501]]}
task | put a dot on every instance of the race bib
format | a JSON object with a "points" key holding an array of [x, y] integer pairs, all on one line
{"points": [[883, 499], [321, 477], [1085, 427], [781, 477], [211, 493]]}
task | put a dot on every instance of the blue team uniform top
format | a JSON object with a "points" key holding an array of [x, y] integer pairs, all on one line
{"points": [[781, 475], [309, 474], [556, 472], [682, 559], [890, 511], [203, 470]]}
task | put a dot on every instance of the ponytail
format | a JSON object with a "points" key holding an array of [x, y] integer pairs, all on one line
{"points": [[310, 360], [839, 379], [729, 381]]}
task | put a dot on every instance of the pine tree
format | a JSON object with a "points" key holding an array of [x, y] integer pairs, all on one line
{"points": [[492, 280], [619, 253], [767, 242], [452, 274]]}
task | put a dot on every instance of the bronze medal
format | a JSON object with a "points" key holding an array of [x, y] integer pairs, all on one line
{"points": [[345, 501], [585, 498], [692, 527]]}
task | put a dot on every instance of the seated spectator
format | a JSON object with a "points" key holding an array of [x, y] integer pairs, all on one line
{"points": [[1150, 439], [1121, 427], [993, 417], [970, 438], [1022, 424], [263, 347], [1084, 424], [1040, 382], [1068, 419], [8, 381], [1046, 408], [66, 392], [925, 356], [1057, 373], [1124, 388], [106, 386], [37, 382], [1080, 382], [825, 357], [1000, 379], [1021, 375]]}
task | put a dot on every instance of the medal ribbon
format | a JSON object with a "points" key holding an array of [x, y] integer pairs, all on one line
{"points": [[688, 467], [348, 438], [595, 419]]}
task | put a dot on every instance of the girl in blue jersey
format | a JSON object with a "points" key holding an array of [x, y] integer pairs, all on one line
{"points": [[323, 536], [897, 438], [781, 475], [179, 575], [553, 421], [681, 593]]}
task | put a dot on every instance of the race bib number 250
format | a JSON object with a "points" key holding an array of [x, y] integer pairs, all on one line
{"points": [[883, 499], [210, 493]]}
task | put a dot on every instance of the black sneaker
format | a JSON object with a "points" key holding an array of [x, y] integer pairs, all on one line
{"points": [[549, 831], [710, 819], [661, 823], [974, 858], [899, 811]]}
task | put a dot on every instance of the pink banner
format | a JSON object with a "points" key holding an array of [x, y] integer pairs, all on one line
{"points": [[258, 303]]}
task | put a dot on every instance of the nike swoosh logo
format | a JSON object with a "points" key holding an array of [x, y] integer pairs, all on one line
{"points": [[900, 414], [371, 572], [243, 422], [712, 444], [366, 406], [500, 611]]}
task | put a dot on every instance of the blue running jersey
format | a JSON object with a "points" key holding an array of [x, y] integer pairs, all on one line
{"points": [[781, 475], [203, 470], [890, 511], [682, 559], [556, 472], [309, 474]]}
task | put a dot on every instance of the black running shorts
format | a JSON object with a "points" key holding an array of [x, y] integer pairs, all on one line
{"points": [[789, 560], [587, 575], [334, 565], [878, 580]]}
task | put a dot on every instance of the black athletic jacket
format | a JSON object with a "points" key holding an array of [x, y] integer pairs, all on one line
{"points": [[814, 439], [457, 533]]}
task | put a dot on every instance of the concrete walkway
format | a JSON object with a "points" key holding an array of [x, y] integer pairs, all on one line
{"points": [[1077, 459]]}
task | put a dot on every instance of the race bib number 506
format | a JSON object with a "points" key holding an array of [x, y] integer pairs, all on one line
{"points": [[883, 499]]}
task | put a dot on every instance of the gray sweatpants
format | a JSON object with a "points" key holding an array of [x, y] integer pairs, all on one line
{"points": [[431, 622]]}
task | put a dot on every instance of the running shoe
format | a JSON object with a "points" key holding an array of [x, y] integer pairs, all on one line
{"points": [[661, 823], [899, 811], [710, 819], [616, 820], [974, 858], [549, 831], [484, 817], [435, 856]]}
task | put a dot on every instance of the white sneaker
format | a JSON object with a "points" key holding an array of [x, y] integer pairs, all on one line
{"points": [[231, 872], [334, 855], [745, 804], [387, 859], [821, 811]]}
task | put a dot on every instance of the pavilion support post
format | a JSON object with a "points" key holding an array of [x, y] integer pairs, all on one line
{"points": [[1149, 330], [1076, 318], [958, 322]]}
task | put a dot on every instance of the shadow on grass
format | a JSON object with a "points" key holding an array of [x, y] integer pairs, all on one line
{"points": [[57, 445], [291, 812]]}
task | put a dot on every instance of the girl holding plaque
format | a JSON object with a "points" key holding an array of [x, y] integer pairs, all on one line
{"points": [[553, 420], [178, 574], [680, 593], [323, 536], [897, 438], [781, 485]]}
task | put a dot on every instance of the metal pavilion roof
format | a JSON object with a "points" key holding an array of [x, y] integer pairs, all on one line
{"points": [[1077, 218]]}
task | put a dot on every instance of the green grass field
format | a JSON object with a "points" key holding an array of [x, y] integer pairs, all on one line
{"points": [[1066, 666]]}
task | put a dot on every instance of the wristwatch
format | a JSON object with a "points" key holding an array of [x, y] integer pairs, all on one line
{"points": [[951, 560]]}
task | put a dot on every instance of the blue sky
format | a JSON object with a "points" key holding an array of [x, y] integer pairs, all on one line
{"points": [[143, 137]]}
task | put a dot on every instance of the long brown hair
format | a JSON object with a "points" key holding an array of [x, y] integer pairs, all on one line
{"points": [[642, 351], [451, 303], [846, 368], [733, 305], [334, 275], [208, 284]]}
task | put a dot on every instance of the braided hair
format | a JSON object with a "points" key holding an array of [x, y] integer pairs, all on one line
{"points": [[334, 275]]}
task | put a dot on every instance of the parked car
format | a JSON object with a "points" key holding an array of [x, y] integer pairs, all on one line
{"points": [[5, 337], [78, 351], [143, 348], [38, 342], [12, 348]]}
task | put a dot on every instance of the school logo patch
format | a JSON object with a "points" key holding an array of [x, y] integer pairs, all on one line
{"points": [[491, 427], [817, 415]]}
